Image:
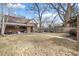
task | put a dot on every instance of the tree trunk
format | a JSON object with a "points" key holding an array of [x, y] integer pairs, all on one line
{"points": [[68, 15], [3, 27], [40, 25], [78, 27], [2, 19]]}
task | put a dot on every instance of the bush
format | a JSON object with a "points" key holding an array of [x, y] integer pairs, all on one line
{"points": [[73, 32]]}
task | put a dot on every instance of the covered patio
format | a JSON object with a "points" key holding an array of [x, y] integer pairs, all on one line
{"points": [[16, 27], [14, 24]]}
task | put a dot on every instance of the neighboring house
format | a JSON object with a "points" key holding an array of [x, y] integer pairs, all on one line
{"points": [[14, 24]]}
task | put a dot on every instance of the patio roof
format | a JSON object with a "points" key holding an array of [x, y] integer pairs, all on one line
{"points": [[19, 24]]}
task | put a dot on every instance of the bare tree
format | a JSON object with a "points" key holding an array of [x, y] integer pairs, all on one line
{"points": [[64, 11], [39, 10], [2, 20]]}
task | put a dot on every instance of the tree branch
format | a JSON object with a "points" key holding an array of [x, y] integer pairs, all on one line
{"points": [[57, 11], [62, 7]]}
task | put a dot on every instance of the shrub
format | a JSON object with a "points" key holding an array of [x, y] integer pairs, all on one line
{"points": [[73, 32]]}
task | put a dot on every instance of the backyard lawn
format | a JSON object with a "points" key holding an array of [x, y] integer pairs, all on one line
{"points": [[37, 44]]}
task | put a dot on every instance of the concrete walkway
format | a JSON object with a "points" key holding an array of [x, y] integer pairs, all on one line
{"points": [[61, 37], [54, 36]]}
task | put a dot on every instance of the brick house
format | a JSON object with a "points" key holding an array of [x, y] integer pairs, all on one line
{"points": [[14, 24]]}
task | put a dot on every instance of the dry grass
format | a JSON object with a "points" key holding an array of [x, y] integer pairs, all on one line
{"points": [[36, 45]]}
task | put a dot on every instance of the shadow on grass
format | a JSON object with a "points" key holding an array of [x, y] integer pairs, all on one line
{"points": [[66, 43], [69, 36]]}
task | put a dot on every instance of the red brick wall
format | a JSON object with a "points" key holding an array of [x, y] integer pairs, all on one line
{"points": [[11, 29]]}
